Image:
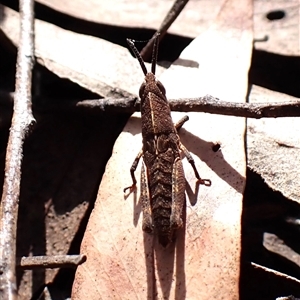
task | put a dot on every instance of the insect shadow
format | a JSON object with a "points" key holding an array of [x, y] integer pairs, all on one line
{"points": [[163, 265], [215, 160]]}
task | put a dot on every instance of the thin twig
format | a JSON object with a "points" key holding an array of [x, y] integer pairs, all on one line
{"points": [[171, 16], [50, 262], [208, 104], [277, 273], [21, 121]]}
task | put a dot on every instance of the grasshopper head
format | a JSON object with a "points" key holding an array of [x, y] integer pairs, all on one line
{"points": [[152, 85]]}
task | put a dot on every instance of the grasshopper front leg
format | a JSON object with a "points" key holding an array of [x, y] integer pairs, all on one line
{"points": [[132, 170], [180, 123]]}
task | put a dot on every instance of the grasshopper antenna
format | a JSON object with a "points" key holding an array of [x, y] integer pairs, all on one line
{"points": [[154, 52], [137, 55]]}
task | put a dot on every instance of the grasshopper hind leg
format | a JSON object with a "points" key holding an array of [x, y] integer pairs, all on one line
{"points": [[178, 194], [146, 204]]}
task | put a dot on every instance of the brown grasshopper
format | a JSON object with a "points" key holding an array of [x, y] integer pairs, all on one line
{"points": [[162, 175]]}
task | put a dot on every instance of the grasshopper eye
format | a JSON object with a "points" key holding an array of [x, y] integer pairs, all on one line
{"points": [[141, 91], [161, 87]]}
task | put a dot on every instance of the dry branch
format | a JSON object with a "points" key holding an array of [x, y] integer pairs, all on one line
{"points": [[171, 16], [21, 122], [51, 262], [277, 273], [208, 104]]}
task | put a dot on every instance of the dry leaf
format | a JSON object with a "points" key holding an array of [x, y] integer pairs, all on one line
{"points": [[277, 31], [260, 281], [273, 146], [205, 262], [95, 64], [63, 161], [194, 19], [140, 14], [268, 140]]}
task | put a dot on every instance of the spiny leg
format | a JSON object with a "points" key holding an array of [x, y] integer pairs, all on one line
{"points": [[180, 123], [178, 193], [145, 200], [132, 170], [190, 159]]}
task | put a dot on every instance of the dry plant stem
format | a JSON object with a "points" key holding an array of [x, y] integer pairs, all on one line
{"points": [[275, 272], [22, 119], [171, 16], [51, 262], [208, 104]]}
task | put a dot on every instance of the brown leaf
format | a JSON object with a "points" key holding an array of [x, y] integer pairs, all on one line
{"points": [[260, 282], [273, 144], [122, 261], [273, 147], [276, 20], [63, 161], [193, 20], [95, 64], [141, 14]]}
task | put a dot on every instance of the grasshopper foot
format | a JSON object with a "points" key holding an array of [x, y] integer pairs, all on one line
{"points": [[206, 182], [130, 188]]}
